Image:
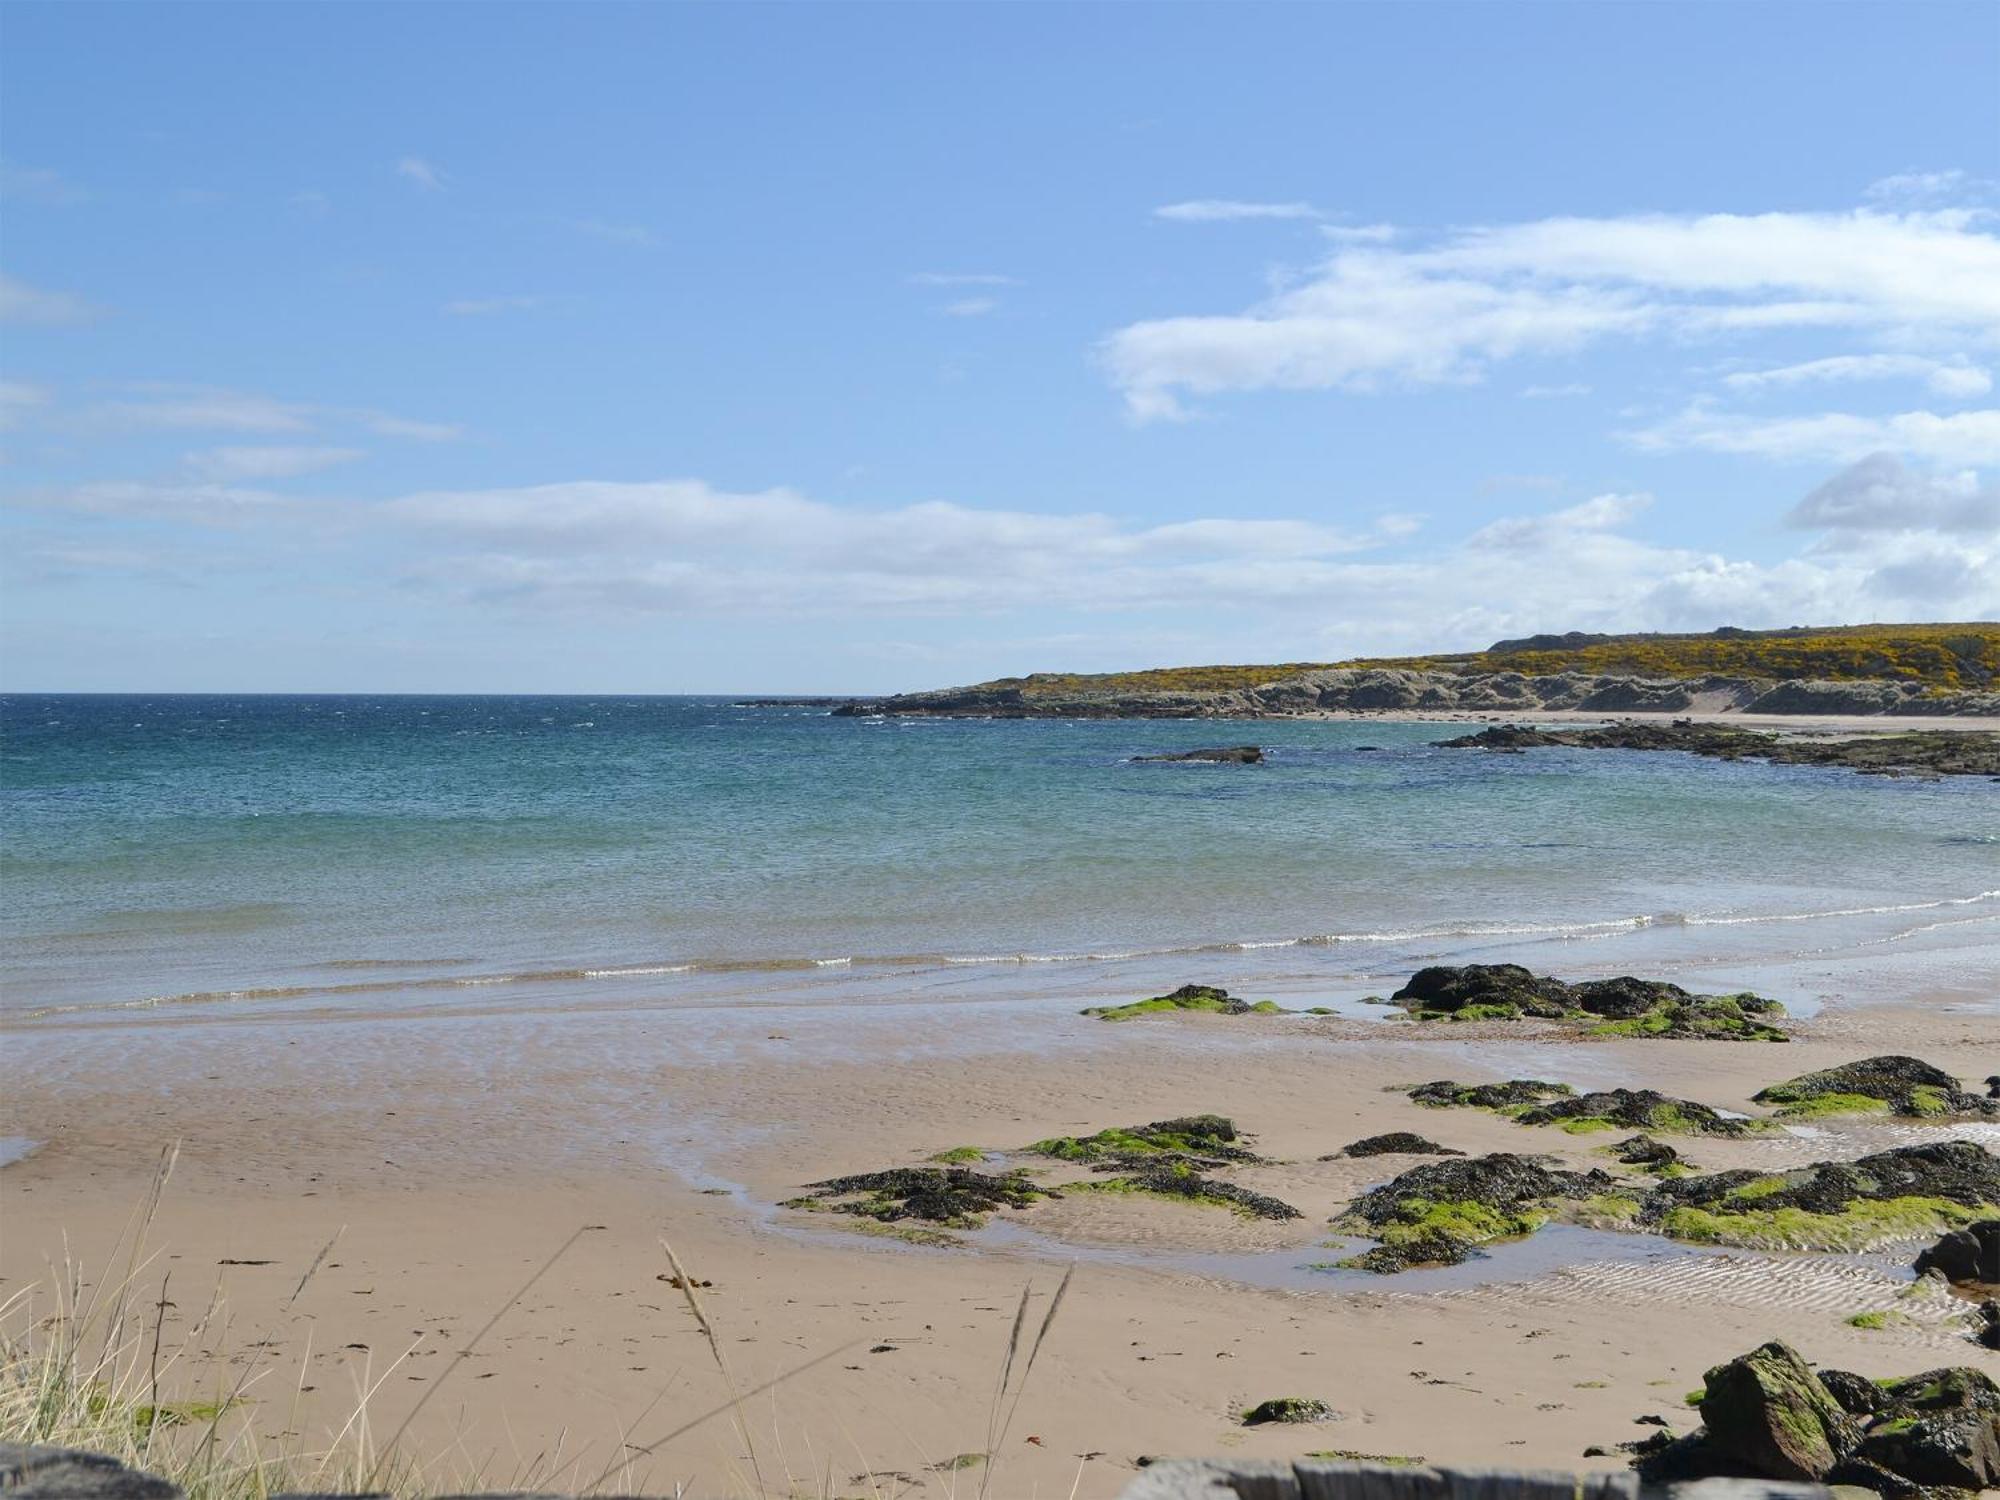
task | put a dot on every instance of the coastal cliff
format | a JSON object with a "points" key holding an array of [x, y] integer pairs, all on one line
{"points": [[1910, 670]]}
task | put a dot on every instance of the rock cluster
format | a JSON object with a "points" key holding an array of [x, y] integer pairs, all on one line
{"points": [[1624, 1006], [1932, 752], [1767, 1415], [1438, 1214]]}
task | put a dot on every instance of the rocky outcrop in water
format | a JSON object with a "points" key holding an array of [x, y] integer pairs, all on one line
{"points": [[1927, 752], [1225, 755], [1396, 689]]}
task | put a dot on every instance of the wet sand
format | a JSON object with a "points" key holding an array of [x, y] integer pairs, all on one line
{"points": [[453, 1153]]}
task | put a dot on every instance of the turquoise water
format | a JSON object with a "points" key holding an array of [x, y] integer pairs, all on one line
{"points": [[354, 852]]}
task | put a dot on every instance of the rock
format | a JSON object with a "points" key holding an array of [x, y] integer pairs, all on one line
{"points": [[1939, 1428], [1645, 1152], [1448, 989], [33, 1472], [1857, 1395], [1938, 752], [1395, 1143], [1288, 1409], [1199, 1140], [1905, 1086], [1174, 1178], [1440, 1212], [1189, 997], [1966, 1256], [1845, 1205], [1228, 755], [1645, 1109], [1988, 1336], [954, 1196], [1766, 1412], [1515, 1093]]}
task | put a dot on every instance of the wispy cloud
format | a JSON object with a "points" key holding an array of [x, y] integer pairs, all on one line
{"points": [[1554, 392], [17, 399], [157, 406], [229, 464], [1225, 210], [1952, 184], [481, 307], [1950, 438], [1953, 378], [385, 425], [425, 175], [38, 185], [22, 303], [970, 307], [1373, 317]]}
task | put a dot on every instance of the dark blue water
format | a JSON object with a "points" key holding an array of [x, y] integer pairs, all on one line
{"points": [[315, 850]]}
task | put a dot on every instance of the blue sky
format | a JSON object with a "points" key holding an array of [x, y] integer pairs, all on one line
{"points": [[829, 347]]}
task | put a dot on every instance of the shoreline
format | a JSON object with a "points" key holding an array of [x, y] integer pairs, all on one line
{"points": [[451, 1154]]}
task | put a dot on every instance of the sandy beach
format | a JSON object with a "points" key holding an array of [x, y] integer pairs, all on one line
{"points": [[445, 1157]]}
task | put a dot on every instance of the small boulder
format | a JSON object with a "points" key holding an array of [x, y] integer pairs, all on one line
{"points": [[1966, 1256], [1766, 1412], [1288, 1409], [1394, 1143]]}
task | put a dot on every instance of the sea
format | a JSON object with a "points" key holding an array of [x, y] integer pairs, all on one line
{"points": [[242, 857]]}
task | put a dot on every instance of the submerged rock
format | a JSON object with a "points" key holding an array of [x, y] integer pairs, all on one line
{"points": [[1394, 1143], [1905, 1086], [1227, 755], [1833, 1205], [1441, 1212], [953, 1196], [1966, 1257], [1194, 997], [1624, 1006]]}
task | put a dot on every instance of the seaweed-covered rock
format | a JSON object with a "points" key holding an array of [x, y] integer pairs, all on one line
{"points": [[1624, 1006], [1189, 997], [1766, 1412], [1939, 1428], [1905, 1086], [1199, 1140], [1644, 1109], [1515, 1093], [1226, 755], [1966, 1256], [1441, 1212], [953, 1196], [1394, 1143], [1177, 1178], [1857, 1395], [1649, 1155], [1288, 1409], [1486, 991], [1833, 1205]]}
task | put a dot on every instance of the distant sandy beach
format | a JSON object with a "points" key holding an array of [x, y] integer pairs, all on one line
{"points": [[445, 1157]]}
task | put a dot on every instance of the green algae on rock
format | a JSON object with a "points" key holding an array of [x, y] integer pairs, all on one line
{"points": [[1181, 1180], [1904, 1086], [1515, 1093], [1202, 1140], [1903, 1194], [1624, 1006], [1438, 1214], [1393, 1143], [952, 1196], [1643, 1109], [1189, 997], [1288, 1409]]}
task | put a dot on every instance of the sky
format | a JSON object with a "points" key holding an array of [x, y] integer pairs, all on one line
{"points": [[853, 348]]}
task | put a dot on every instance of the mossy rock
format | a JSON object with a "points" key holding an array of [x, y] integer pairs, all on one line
{"points": [[1204, 1140], [1288, 1409], [1908, 1193], [1515, 1093], [1189, 997], [1182, 1181], [1905, 1086], [1440, 1213], [955, 1197], [1624, 1006], [1769, 1412], [1645, 1109], [1393, 1143]]}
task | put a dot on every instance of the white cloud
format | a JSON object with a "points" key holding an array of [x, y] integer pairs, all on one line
{"points": [[422, 173], [1957, 378], [184, 504], [21, 303], [1954, 438], [481, 307], [1554, 392], [1921, 187], [1225, 210], [1372, 317], [385, 425], [170, 407], [270, 462], [1882, 494], [962, 278], [970, 307]]}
